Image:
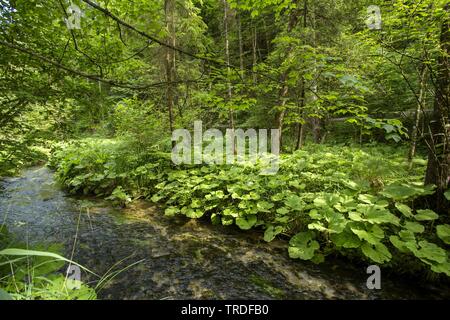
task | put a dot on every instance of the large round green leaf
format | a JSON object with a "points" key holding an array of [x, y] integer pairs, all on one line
{"points": [[404, 209], [346, 239], [426, 215], [246, 222], [414, 227], [378, 253], [399, 192], [271, 232], [372, 235], [443, 232], [303, 246], [431, 253]]}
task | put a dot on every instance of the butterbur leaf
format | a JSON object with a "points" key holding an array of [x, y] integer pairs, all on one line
{"points": [[294, 202], [317, 226], [378, 253], [277, 197], [298, 185], [399, 192], [156, 198], [320, 202], [367, 198], [447, 194], [382, 203], [381, 216], [171, 211], [442, 268], [346, 239], [303, 246], [196, 203], [230, 212], [194, 214], [414, 227], [314, 214], [271, 232], [407, 235], [227, 221], [243, 205], [355, 216], [429, 253], [404, 209], [339, 207], [218, 194], [399, 244], [264, 206], [353, 185], [373, 235], [336, 222], [443, 232], [247, 222], [283, 210], [426, 215]]}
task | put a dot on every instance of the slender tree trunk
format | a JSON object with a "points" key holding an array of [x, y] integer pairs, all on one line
{"points": [[300, 127], [241, 44], [227, 59], [169, 8], [293, 20], [420, 108], [266, 37], [254, 51], [315, 123], [283, 99], [439, 147]]}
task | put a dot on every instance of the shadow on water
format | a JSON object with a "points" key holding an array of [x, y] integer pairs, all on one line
{"points": [[183, 259]]}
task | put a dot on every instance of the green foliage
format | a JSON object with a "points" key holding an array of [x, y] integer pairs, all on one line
{"points": [[327, 199], [443, 232], [306, 64], [119, 195], [109, 168], [33, 275], [140, 123], [393, 129], [303, 246]]}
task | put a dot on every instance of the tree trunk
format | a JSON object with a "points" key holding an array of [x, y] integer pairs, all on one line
{"points": [[300, 127], [439, 126], [169, 8], [420, 108], [241, 45], [254, 51], [293, 20], [227, 59], [315, 123]]}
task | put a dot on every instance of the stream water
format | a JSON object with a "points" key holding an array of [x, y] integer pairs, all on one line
{"points": [[182, 258]]}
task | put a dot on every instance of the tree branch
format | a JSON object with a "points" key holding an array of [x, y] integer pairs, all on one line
{"points": [[111, 82]]}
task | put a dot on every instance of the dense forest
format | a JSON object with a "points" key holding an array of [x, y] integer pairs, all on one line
{"points": [[358, 92]]}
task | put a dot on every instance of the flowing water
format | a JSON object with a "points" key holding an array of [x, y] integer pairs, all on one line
{"points": [[182, 258]]}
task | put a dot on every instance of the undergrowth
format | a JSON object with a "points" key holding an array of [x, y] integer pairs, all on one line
{"points": [[353, 201]]}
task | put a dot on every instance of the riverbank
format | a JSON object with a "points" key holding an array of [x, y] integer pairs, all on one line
{"points": [[182, 258], [349, 201]]}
